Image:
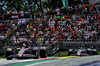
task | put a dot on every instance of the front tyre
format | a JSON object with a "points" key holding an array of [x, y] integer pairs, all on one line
{"points": [[9, 58]]}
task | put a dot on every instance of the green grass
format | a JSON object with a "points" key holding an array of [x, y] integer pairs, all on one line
{"points": [[98, 52], [61, 53], [2, 56]]}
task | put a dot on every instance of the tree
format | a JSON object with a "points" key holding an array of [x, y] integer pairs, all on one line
{"points": [[52, 4], [30, 4], [14, 4], [2, 4]]}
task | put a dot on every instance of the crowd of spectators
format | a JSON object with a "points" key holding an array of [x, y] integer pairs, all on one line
{"points": [[79, 23], [8, 27]]}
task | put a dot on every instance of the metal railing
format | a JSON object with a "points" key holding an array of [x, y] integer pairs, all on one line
{"points": [[53, 48], [66, 44]]}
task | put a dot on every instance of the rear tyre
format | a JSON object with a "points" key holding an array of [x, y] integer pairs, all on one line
{"points": [[94, 53], [43, 53]]}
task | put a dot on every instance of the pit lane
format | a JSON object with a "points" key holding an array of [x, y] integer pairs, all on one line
{"points": [[64, 61]]}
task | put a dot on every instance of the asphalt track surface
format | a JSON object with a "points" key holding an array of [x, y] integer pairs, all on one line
{"points": [[63, 61]]}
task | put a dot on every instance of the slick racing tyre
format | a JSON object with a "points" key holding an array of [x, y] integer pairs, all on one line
{"points": [[9, 58], [8, 53]]}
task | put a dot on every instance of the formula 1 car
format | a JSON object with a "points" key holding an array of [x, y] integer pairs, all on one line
{"points": [[82, 52], [26, 52]]}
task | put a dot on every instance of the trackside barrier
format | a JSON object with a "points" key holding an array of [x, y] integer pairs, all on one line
{"points": [[67, 44], [53, 48]]}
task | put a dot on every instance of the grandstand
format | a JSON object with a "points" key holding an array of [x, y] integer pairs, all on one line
{"points": [[57, 29]]}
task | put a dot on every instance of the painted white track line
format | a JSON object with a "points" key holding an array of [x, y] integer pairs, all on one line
{"points": [[26, 60]]}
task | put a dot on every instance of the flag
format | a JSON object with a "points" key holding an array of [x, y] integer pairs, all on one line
{"points": [[65, 3]]}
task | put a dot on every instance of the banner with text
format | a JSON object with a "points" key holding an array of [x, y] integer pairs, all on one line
{"points": [[15, 16]]}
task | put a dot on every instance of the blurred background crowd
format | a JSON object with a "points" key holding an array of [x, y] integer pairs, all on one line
{"points": [[81, 22]]}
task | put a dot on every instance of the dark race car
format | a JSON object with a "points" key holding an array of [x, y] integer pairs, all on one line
{"points": [[82, 52], [26, 52]]}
